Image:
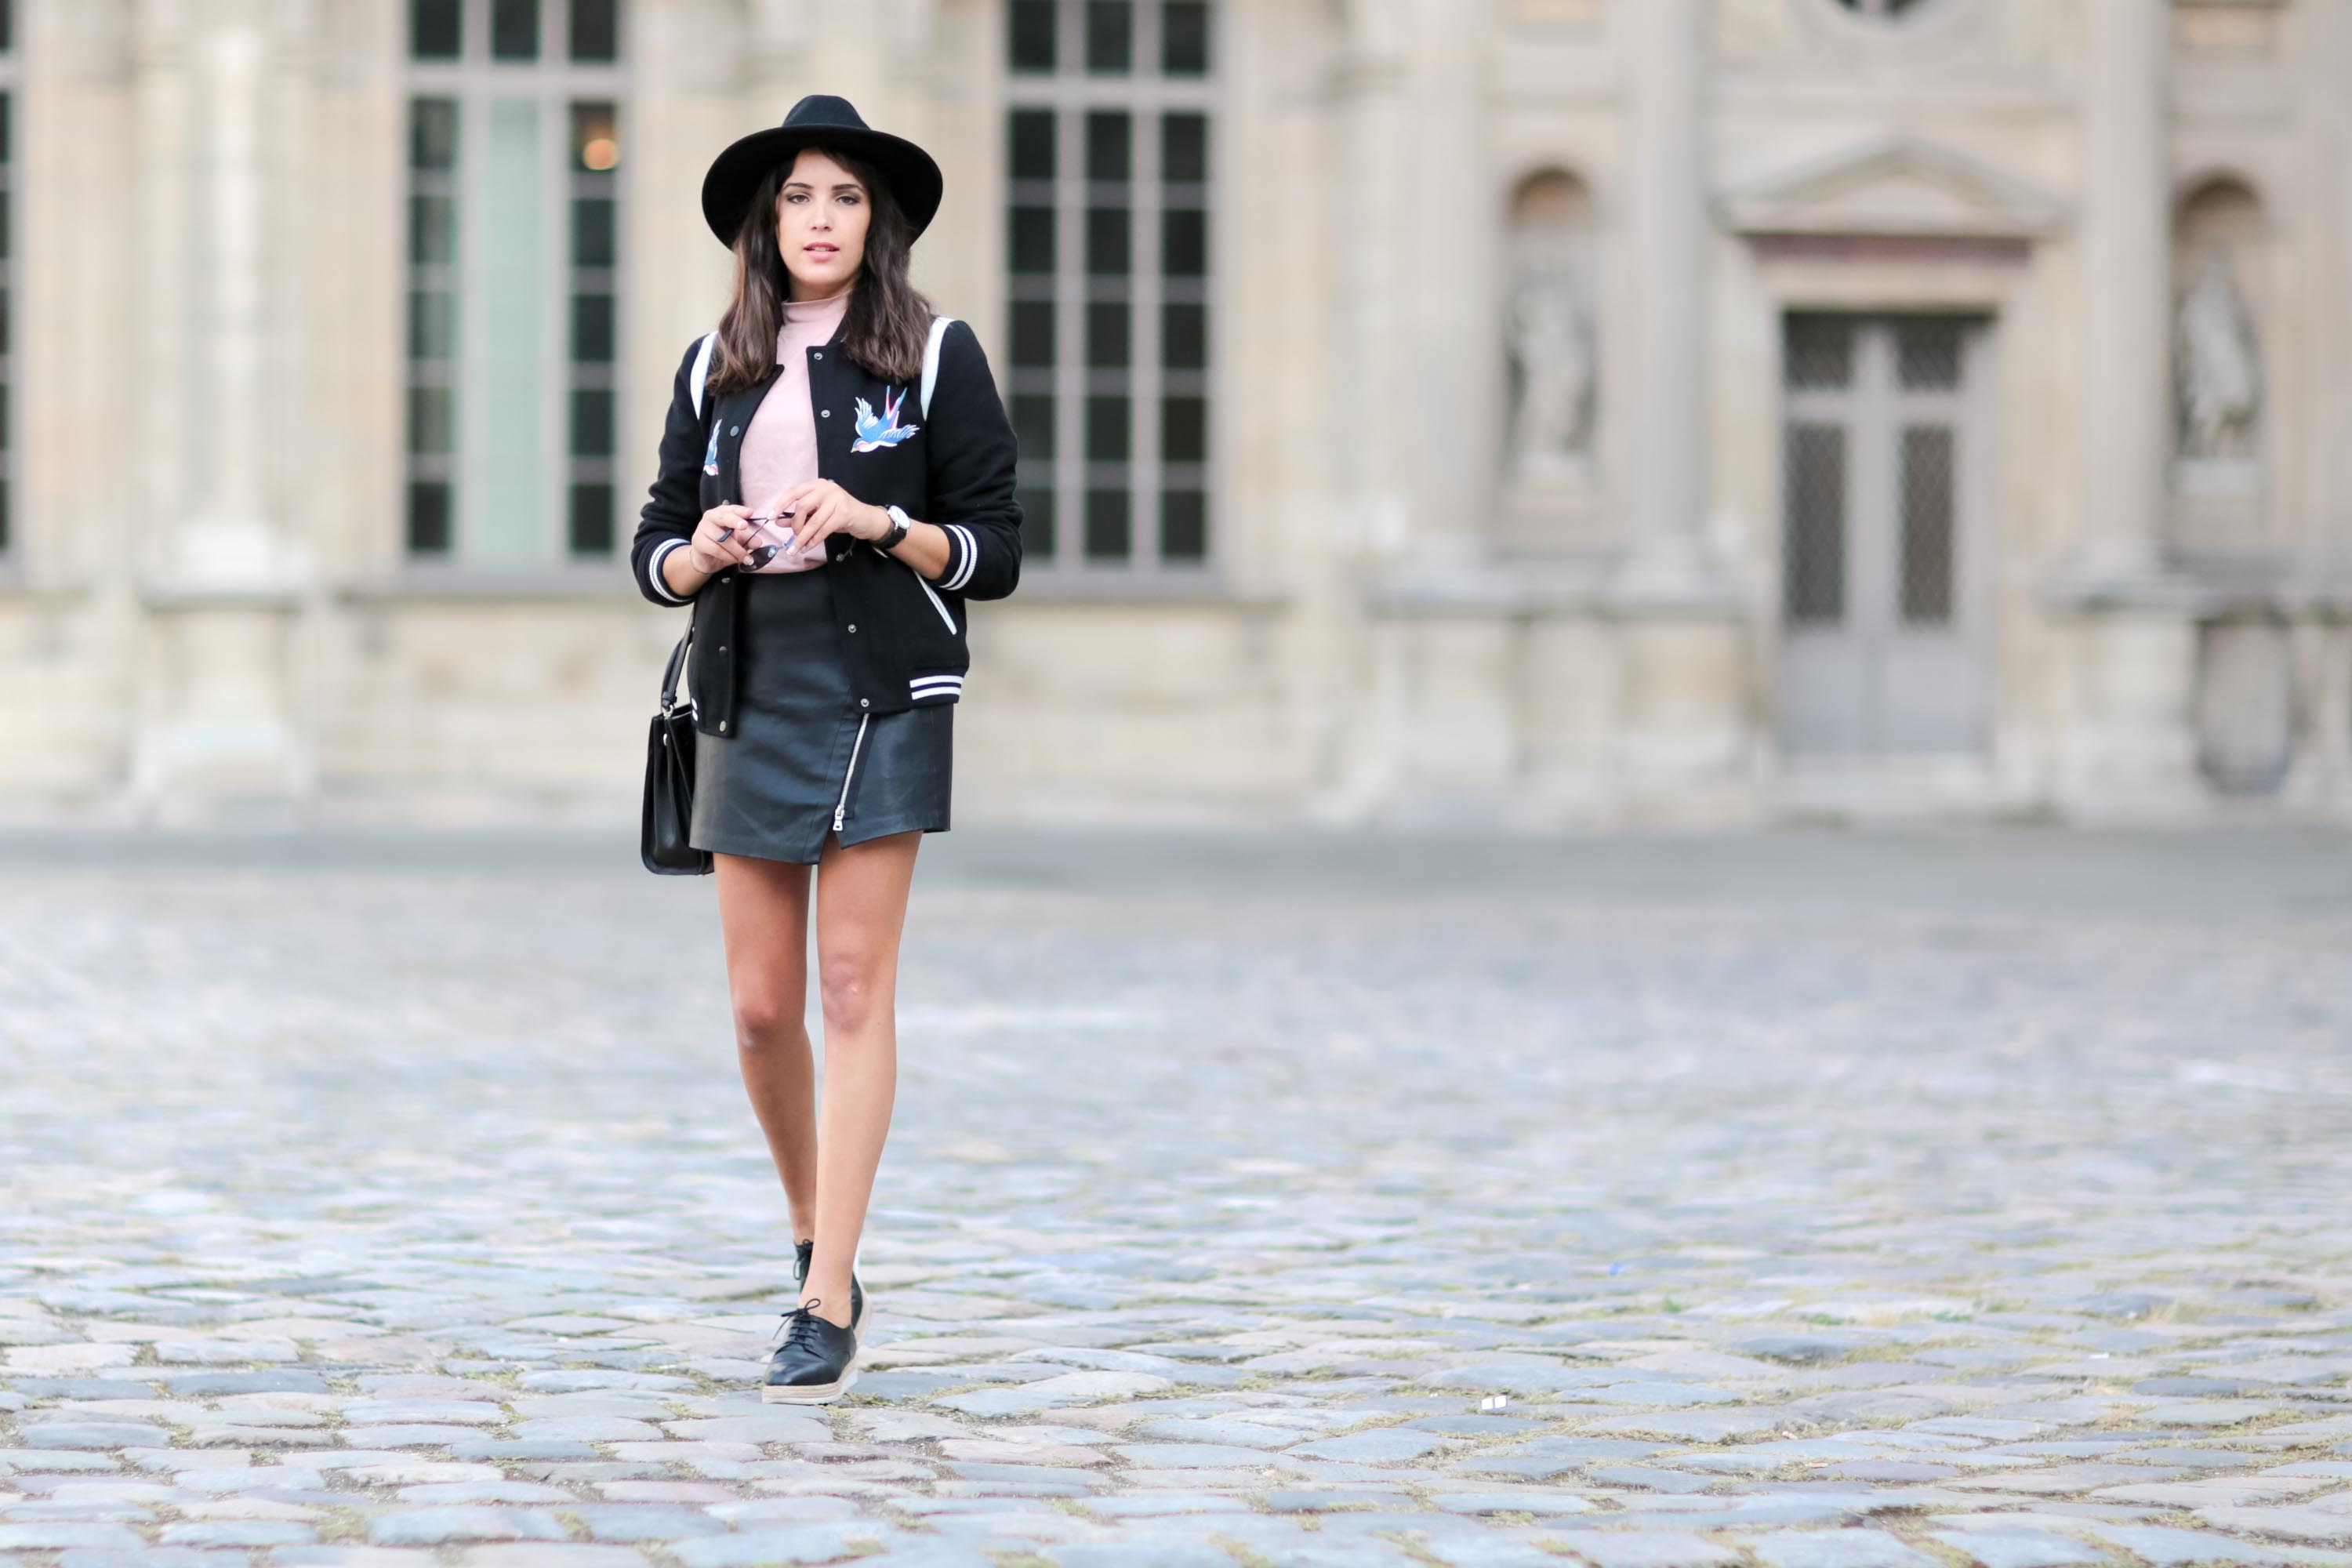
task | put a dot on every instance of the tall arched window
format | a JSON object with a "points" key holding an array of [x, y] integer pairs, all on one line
{"points": [[1109, 150], [515, 118]]}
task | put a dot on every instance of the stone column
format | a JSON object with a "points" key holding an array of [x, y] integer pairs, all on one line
{"points": [[221, 581], [1666, 191], [2129, 749], [2127, 291]]}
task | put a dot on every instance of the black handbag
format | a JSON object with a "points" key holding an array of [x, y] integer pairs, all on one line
{"points": [[669, 781]]}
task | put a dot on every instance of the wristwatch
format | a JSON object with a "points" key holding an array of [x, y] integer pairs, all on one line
{"points": [[898, 521]]}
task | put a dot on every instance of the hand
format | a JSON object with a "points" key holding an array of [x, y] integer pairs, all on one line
{"points": [[717, 541], [823, 509]]}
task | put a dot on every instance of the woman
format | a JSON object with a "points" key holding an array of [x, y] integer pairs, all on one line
{"points": [[828, 647]]}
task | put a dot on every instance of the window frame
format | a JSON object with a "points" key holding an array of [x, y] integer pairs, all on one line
{"points": [[554, 83], [1146, 94]]}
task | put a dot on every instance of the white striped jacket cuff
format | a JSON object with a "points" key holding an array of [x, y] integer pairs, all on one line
{"points": [[654, 569], [963, 556]]}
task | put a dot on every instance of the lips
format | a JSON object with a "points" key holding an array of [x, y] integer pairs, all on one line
{"points": [[822, 252]]}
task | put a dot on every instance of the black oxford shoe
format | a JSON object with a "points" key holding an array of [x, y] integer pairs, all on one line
{"points": [[814, 1362], [804, 1250]]}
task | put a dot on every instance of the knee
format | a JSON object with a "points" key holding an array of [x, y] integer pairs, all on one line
{"points": [[766, 1020], [851, 985]]}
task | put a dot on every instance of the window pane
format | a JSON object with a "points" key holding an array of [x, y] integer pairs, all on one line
{"points": [[1106, 334], [1107, 425], [1184, 337], [1184, 429], [1821, 352], [592, 328], [514, 29], [1107, 525], [592, 520], [432, 230], [432, 324], [1183, 525], [1032, 235], [506, 453], [1033, 332], [1032, 150], [1037, 532], [433, 28], [1110, 139], [1185, 38], [1812, 588], [595, 137], [1184, 149], [1184, 242], [429, 421], [591, 231], [1928, 355], [1926, 585], [596, 31], [1110, 37], [592, 422], [1033, 424], [428, 517], [433, 133], [1029, 26], [1108, 247]]}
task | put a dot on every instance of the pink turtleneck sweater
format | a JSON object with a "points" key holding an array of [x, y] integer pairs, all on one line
{"points": [[779, 448]]}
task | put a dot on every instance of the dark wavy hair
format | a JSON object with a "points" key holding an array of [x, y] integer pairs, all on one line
{"points": [[889, 320]]}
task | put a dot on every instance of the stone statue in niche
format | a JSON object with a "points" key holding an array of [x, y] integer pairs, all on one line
{"points": [[2218, 365], [1551, 347]]}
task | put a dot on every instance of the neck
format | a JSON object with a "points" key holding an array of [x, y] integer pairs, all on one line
{"points": [[801, 295]]}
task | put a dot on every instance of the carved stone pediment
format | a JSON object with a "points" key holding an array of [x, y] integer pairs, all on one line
{"points": [[1894, 186]]}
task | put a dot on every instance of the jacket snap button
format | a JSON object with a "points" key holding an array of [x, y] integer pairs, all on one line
{"points": [[863, 703], [722, 726], [828, 414], [853, 625], [735, 430], [722, 648], [820, 354]]}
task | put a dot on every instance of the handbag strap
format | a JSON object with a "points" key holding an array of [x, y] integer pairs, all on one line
{"points": [[669, 676]]}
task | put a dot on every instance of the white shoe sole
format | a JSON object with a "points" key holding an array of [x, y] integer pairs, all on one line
{"points": [[810, 1393]]}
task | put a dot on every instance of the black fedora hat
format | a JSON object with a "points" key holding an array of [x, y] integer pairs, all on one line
{"points": [[819, 119]]}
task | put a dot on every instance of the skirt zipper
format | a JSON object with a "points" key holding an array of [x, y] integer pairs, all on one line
{"points": [[843, 804]]}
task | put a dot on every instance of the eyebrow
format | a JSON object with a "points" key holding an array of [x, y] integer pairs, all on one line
{"points": [[804, 185]]}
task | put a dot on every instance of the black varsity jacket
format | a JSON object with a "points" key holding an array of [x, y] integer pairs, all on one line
{"points": [[901, 634]]}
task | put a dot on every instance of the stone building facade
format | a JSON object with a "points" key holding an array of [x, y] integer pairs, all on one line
{"points": [[1546, 412]]}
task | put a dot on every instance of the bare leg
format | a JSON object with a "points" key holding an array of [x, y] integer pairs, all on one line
{"points": [[764, 911], [861, 909]]}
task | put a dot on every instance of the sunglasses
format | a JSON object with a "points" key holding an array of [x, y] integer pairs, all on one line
{"points": [[763, 553]]}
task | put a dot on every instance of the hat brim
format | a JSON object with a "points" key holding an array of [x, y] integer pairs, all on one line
{"points": [[915, 180]]}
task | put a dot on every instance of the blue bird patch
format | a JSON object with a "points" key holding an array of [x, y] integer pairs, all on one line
{"points": [[874, 433]]}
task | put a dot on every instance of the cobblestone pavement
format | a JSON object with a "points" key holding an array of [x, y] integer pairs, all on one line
{"points": [[1902, 1201]]}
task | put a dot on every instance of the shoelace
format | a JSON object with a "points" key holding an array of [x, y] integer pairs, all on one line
{"points": [[800, 1325]]}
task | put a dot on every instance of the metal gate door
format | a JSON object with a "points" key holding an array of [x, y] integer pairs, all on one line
{"points": [[1881, 627]]}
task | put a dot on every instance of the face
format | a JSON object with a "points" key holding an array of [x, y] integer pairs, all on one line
{"points": [[821, 218]]}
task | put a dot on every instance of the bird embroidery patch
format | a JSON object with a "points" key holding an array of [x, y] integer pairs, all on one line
{"points": [[710, 454], [874, 433]]}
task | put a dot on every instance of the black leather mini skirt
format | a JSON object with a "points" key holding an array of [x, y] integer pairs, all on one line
{"points": [[807, 760]]}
